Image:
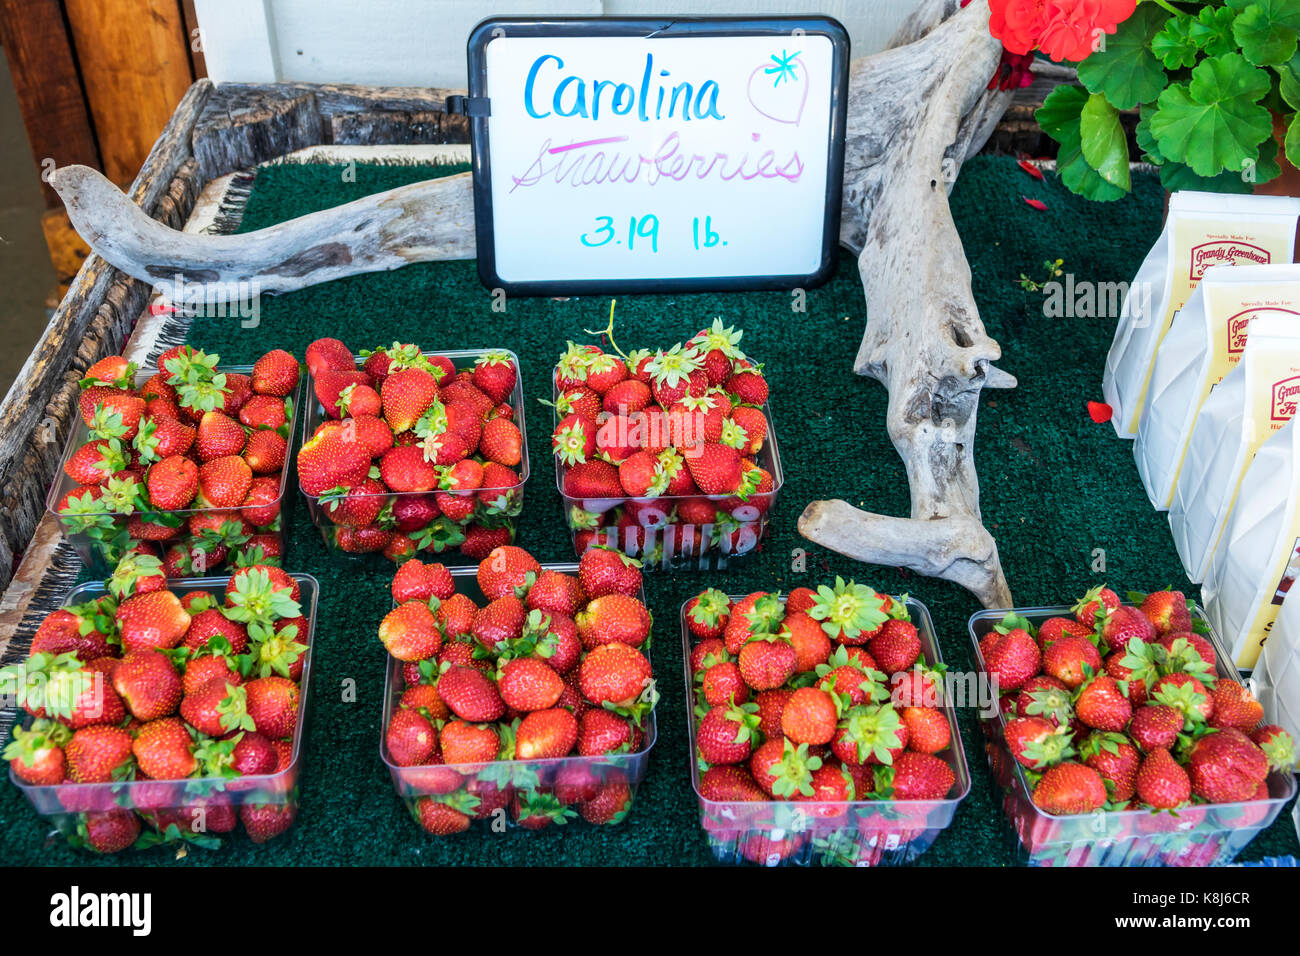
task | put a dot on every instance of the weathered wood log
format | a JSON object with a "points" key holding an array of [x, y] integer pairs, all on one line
{"points": [[924, 340]]}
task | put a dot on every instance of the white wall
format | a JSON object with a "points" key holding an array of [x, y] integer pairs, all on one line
{"points": [[422, 42]]}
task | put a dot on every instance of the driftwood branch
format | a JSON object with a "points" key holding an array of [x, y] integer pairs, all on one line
{"points": [[924, 340]]}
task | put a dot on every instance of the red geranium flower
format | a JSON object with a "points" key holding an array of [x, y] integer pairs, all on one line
{"points": [[1063, 29]]}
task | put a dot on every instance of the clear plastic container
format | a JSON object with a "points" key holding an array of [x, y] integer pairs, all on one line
{"points": [[663, 543], [275, 795], [100, 549], [1207, 834], [452, 534], [505, 779], [807, 833]]}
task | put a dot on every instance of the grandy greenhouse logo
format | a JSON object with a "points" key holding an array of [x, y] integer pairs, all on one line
{"points": [[1071, 298], [213, 300]]}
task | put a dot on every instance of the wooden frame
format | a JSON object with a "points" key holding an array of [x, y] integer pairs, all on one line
{"points": [[214, 131]]}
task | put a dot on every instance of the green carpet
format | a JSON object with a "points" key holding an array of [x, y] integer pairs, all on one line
{"points": [[1055, 488]]}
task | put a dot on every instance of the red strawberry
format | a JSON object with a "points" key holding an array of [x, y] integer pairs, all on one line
{"points": [[224, 482], [1277, 745], [265, 452], [355, 507], [916, 776], [1117, 760], [1161, 783], [1155, 727], [896, 647], [1070, 788], [329, 354], [36, 753], [1070, 659], [156, 619], [94, 462], [1054, 628], [111, 831], [927, 729], [603, 732], [1046, 697], [753, 424], [613, 618], [716, 469], [500, 622], [574, 439], [470, 695], [164, 750], [262, 504], [528, 684], [556, 593], [161, 437], [407, 395], [506, 569], [767, 662], [593, 479], [1101, 704], [726, 733], [201, 670], [638, 475], [1123, 625], [708, 612], [173, 483], [114, 371], [1226, 766], [264, 821], [272, 703], [410, 738], [722, 683], [218, 435], [1186, 694], [495, 375], [1235, 707], [328, 460], [1037, 743], [116, 415], [614, 673], [410, 632], [148, 684], [1188, 652], [1100, 598], [1167, 611], [627, 396], [1011, 658], [417, 581], [98, 754], [275, 373], [809, 717], [469, 743], [217, 708], [747, 386], [480, 540], [545, 733], [729, 784]]}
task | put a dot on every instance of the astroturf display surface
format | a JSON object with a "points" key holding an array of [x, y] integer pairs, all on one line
{"points": [[1055, 488]]}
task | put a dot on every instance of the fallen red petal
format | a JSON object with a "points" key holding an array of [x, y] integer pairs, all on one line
{"points": [[1100, 412], [1036, 203], [1031, 169]]}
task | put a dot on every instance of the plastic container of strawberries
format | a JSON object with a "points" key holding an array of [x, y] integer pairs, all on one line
{"points": [[101, 547], [657, 538], [66, 804], [526, 777], [444, 547], [1208, 834], [808, 833]]}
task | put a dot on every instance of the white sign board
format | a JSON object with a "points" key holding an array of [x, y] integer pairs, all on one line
{"points": [[621, 155]]}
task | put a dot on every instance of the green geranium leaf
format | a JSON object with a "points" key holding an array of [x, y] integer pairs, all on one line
{"points": [[1174, 44], [1146, 142], [1215, 122], [1288, 75], [1103, 141], [1126, 72], [1211, 31], [1176, 176], [1266, 30], [1293, 139], [1060, 117]]}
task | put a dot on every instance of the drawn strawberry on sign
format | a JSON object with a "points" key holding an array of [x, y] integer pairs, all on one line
{"points": [[778, 87]]}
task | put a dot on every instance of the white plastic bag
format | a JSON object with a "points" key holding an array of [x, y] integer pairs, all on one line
{"points": [[1253, 401], [1202, 229], [1204, 343], [1277, 673], [1258, 558]]}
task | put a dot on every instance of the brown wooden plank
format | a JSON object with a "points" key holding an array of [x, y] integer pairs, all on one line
{"points": [[134, 57], [39, 51]]}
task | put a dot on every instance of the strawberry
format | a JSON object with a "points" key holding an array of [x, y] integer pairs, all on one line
{"points": [[356, 507], [173, 483], [160, 437], [722, 683], [545, 733], [810, 716], [253, 755], [1071, 660], [752, 424], [329, 460], [770, 705], [767, 661], [94, 462], [1186, 651], [556, 593], [164, 750], [614, 673], [272, 703], [148, 684], [611, 804], [613, 618], [264, 821], [329, 354], [36, 753], [262, 504], [410, 738], [528, 684], [849, 613], [155, 619], [1125, 624], [1046, 697], [500, 622], [1036, 743], [117, 415], [98, 754], [1102, 705], [1186, 694], [275, 373], [896, 647], [506, 569], [439, 818], [495, 375], [109, 831], [603, 732], [469, 743], [1117, 760], [224, 482], [113, 371], [201, 670], [784, 770], [870, 733], [405, 469], [501, 442], [639, 475], [927, 729], [424, 699], [1011, 657], [1155, 727], [592, 479], [410, 632], [747, 386], [707, 613], [1278, 747], [218, 436], [417, 581], [456, 616], [1100, 599], [707, 653], [574, 439], [1161, 783], [603, 571], [1054, 628], [729, 784], [1235, 707], [407, 395], [210, 623], [217, 708], [1226, 766], [717, 470], [480, 540], [1070, 788], [1167, 611], [265, 452], [470, 695], [411, 513]]}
